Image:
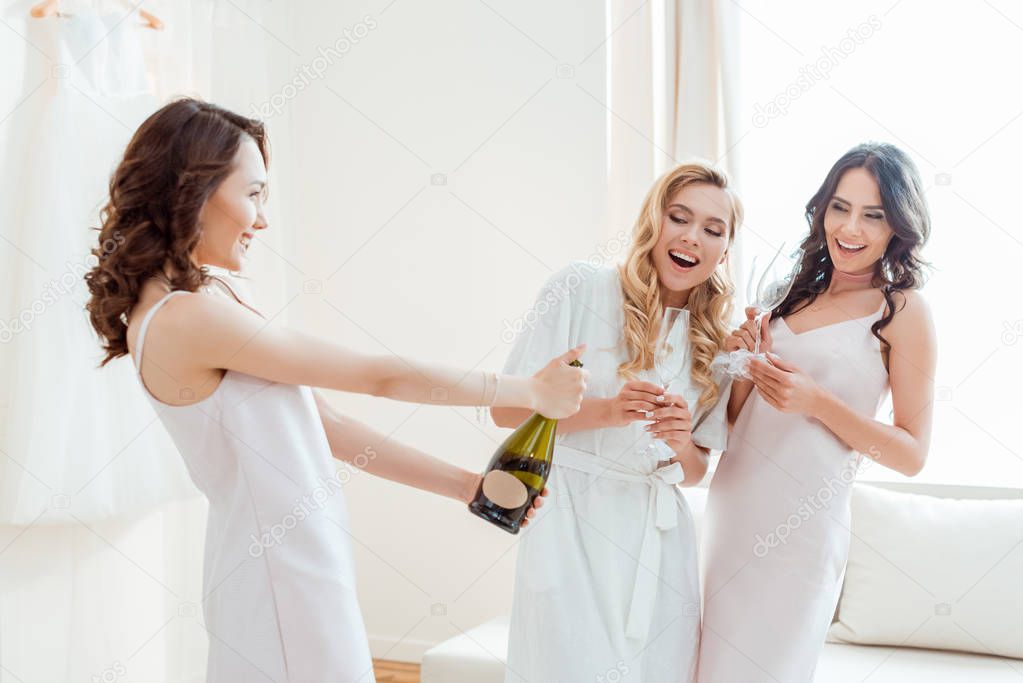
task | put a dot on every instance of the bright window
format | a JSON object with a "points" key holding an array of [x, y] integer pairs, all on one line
{"points": [[937, 79]]}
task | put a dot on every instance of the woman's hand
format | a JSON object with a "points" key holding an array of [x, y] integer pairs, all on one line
{"points": [[558, 388], [784, 386], [673, 423], [636, 401], [745, 336], [537, 503], [474, 484]]}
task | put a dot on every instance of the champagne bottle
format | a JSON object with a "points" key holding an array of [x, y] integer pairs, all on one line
{"points": [[517, 472]]}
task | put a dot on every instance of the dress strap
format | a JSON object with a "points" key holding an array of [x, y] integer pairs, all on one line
{"points": [[140, 342], [230, 290]]}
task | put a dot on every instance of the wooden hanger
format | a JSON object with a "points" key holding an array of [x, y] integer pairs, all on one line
{"points": [[49, 8], [45, 9], [151, 20]]}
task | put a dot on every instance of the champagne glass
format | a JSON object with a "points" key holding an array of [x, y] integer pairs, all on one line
{"points": [[670, 357], [766, 288], [772, 287]]}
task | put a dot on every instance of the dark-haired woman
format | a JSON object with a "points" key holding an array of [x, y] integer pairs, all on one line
{"points": [[233, 391], [853, 327]]}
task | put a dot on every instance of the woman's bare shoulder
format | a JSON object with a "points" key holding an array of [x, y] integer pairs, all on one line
{"points": [[188, 320], [911, 308], [912, 326]]}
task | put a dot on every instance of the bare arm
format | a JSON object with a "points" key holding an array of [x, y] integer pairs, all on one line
{"points": [[631, 404], [673, 424], [741, 389], [594, 413], [214, 333], [635, 399], [693, 459], [902, 446], [369, 450], [743, 338]]}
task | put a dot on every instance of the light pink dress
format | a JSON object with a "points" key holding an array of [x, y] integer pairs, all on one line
{"points": [[278, 578], [777, 532]]}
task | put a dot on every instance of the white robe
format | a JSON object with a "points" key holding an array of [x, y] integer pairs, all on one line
{"points": [[607, 581]]}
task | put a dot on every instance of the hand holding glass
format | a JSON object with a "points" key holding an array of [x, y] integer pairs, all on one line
{"points": [[670, 359], [764, 294]]}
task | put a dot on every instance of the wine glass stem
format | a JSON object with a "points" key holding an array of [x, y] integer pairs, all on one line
{"points": [[758, 321]]}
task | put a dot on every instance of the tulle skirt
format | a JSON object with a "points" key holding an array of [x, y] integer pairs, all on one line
{"points": [[74, 439]]}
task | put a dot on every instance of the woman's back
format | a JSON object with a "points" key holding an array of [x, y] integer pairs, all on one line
{"points": [[172, 377], [278, 574]]}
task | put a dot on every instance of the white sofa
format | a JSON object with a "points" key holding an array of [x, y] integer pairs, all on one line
{"points": [[478, 655]]}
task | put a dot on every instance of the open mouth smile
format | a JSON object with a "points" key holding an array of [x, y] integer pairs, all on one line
{"points": [[848, 248], [683, 259]]}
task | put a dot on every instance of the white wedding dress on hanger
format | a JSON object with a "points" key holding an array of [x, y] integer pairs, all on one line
{"points": [[78, 440], [100, 527], [109, 586]]}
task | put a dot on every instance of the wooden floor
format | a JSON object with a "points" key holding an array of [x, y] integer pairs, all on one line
{"points": [[395, 672]]}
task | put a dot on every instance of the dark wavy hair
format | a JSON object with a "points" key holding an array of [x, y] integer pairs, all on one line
{"points": [[905, 209], [175, 161]]}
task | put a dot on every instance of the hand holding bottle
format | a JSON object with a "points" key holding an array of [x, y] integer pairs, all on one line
{"points": [[537, 502], [515, 480], [477, 481], [558, 388]]}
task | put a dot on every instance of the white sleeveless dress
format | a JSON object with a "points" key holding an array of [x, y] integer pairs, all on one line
{"points": [[776, 536], [278, 578]]}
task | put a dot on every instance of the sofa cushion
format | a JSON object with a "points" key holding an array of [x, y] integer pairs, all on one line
{"points": [[878, 664], [478, 656], [933, 572]]}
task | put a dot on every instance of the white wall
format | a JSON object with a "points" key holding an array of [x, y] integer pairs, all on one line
{"points": [[385, 261]]}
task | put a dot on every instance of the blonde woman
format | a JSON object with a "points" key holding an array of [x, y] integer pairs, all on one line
{"points": [[607, 584]]}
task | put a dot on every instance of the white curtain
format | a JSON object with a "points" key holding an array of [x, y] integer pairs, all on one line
{"points": [[101, 532], [672, 89], [113, 600]]}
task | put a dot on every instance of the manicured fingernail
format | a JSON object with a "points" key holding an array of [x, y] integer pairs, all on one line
{"points": [[660, 398]]}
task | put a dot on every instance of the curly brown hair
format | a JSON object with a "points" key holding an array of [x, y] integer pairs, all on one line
{"points": [[175, 161], [905, 206]]}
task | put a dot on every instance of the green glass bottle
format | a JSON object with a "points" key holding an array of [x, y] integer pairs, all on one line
{"points": [[517, 473]]}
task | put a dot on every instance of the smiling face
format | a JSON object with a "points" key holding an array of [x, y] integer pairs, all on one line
{"points": [[694, 240], [855, 223], [233, 214]]}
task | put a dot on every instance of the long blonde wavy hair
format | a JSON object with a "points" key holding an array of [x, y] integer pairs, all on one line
{"points": [[710, 303]]}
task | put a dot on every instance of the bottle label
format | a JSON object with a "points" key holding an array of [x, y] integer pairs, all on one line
{"points": [[505, 489]]}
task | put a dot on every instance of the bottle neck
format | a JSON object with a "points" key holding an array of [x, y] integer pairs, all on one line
{"points": [[536, 429], [542, 423]]}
